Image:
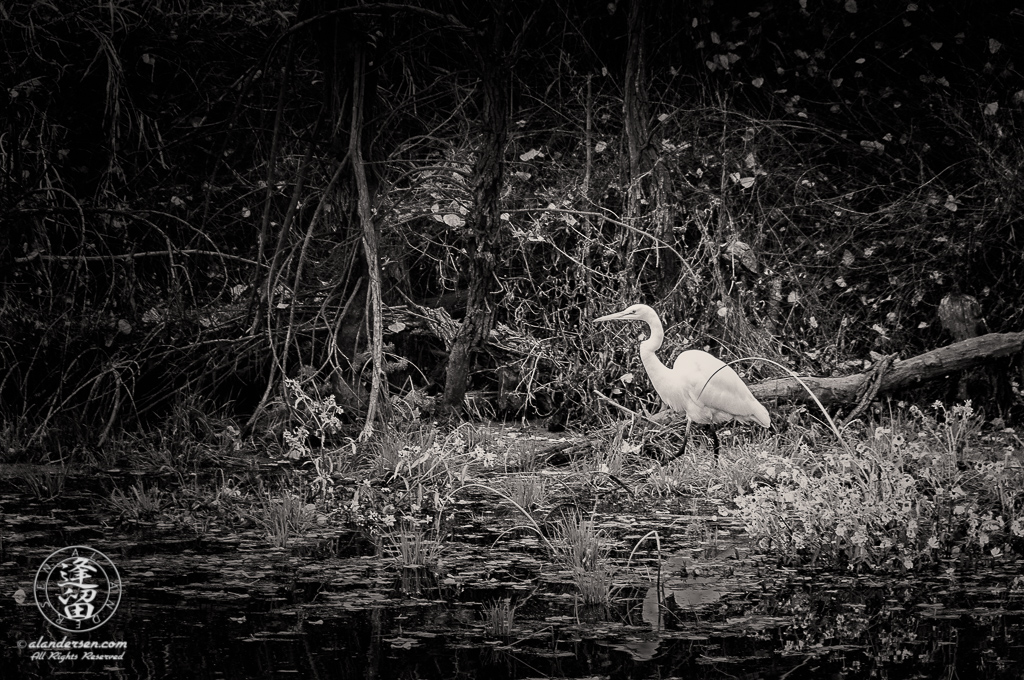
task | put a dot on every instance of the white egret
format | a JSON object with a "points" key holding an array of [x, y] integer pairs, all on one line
{"points": [[704, 388]]}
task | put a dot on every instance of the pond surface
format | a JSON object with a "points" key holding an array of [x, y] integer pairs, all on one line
{"points": [[696, 603]]}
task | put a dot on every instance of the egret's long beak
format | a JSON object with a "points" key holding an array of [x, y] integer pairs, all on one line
{"points": [[611, 317]]}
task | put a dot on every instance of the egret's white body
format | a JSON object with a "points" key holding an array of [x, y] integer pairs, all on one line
{"points": [[704, 388]]}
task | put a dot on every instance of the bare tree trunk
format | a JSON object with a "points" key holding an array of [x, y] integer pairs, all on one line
{"points": [[635, 113], [370, 239], [485, 244], [648, 204]]}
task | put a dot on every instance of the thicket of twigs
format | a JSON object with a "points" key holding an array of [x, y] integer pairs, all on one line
{"points": [[179, 225]]}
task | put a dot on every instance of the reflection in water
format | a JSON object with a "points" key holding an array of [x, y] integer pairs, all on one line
{"points": [[234, 608]]}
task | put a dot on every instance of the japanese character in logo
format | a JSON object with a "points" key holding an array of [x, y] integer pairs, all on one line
{"points": [[77, 589]]}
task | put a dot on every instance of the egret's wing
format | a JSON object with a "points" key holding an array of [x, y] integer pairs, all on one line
{"points": [[718, 392]]}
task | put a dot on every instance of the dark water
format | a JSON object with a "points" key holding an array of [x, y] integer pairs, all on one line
{"points": [[227, 605]]}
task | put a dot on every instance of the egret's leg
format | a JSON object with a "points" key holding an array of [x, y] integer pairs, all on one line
{"points": [[682, 449], [686, 438], [714, 441]]}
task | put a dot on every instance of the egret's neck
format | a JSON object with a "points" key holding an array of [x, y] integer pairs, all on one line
{"points": [[651, 345]]}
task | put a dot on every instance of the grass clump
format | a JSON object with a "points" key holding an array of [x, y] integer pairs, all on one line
{"points": [[499, 617], [527, 491], [579, 546], [412, 546], [285, 517], [138, 503], [47, 483]]}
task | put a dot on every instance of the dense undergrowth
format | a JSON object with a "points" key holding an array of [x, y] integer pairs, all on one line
{"points": [[178, 233], [912, 492]]}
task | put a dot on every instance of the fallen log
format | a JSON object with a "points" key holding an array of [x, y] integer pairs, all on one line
{"points": [[902, 374]]}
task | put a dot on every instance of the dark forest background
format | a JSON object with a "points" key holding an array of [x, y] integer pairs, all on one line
{"points": [[417, 206]]}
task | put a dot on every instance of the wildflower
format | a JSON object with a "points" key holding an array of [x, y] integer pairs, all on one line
{"points": [[629, 448], [933, 543], [1017, 527], [992, 522], [911, 528], [964, 410]]}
